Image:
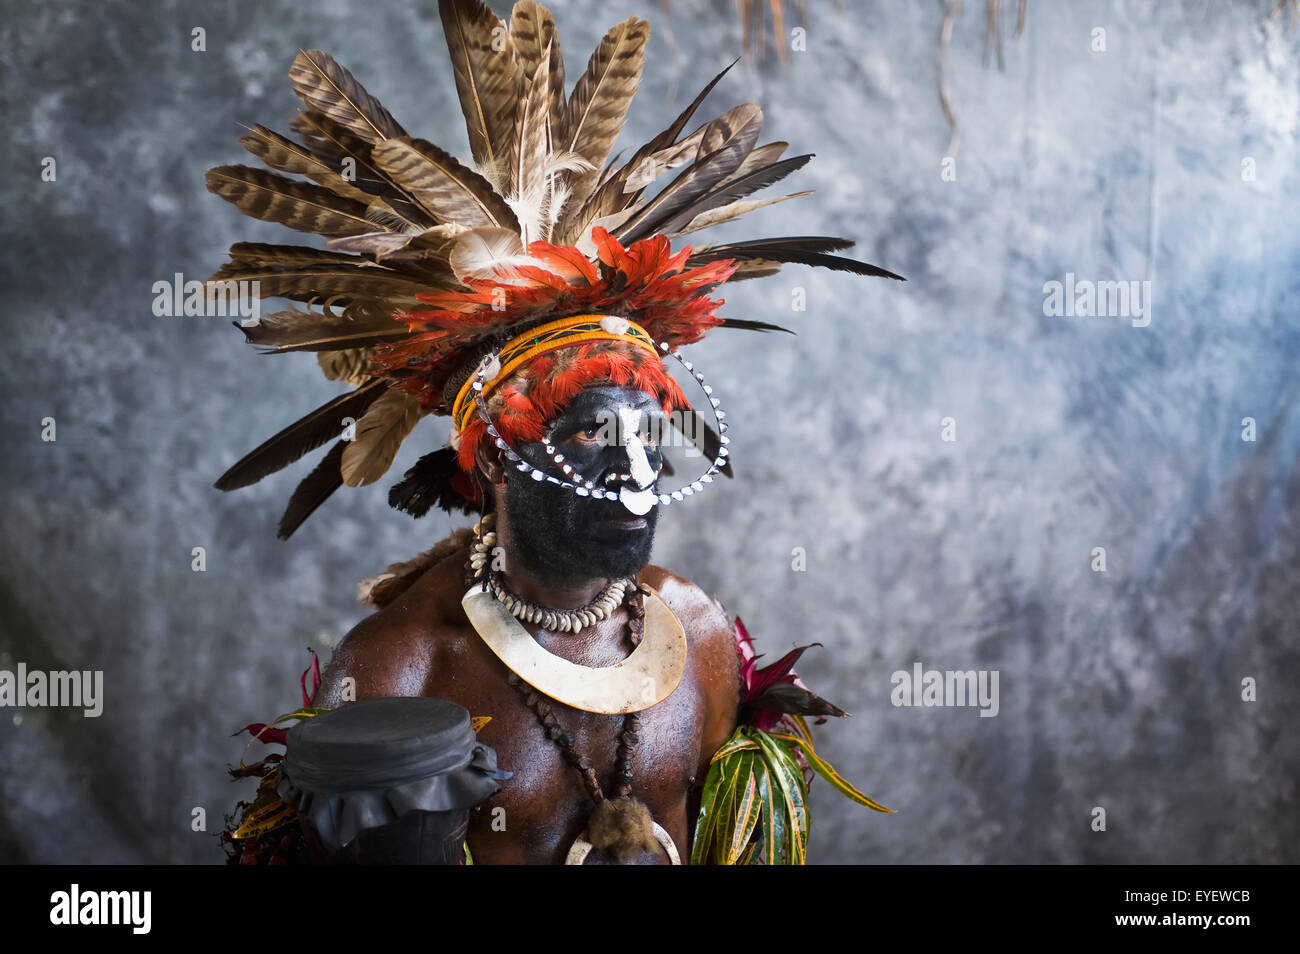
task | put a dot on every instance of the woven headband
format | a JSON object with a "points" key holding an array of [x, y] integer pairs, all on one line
{"points": [[561, 333]]}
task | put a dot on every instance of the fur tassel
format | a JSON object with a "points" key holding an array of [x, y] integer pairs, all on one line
{"points": [[622, 827]]}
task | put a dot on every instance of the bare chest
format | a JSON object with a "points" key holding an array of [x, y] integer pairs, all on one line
{"points": [[544, 806]]}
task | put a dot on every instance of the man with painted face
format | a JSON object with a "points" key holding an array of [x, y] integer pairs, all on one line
{"points": [[559, 550], [614, 433], [535, 296]]}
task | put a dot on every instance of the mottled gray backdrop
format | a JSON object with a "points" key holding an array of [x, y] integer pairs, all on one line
{"points": [[1119, 689]]}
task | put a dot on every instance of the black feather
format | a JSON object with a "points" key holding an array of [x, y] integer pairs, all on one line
{"points": [[301, 437], [735, 189], [699, 433], [804, 250], [314, 490], [745, 324], [429, 483]]}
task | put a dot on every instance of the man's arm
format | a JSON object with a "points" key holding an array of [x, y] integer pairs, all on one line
{"points": [[378, 658], [715, 668]]}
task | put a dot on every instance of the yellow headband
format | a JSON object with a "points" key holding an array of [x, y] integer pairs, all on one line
{"points": [[561, 333]]}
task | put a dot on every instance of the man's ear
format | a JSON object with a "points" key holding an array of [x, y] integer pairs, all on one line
{"points": [[488, 457]]}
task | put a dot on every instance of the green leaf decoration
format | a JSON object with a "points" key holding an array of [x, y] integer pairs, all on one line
{"points": [[827, 771], [754, 804]]}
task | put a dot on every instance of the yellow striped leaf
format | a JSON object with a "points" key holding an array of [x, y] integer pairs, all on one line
{"points": [[827, 771], [748, 810], [789, 781], [737, 743]]}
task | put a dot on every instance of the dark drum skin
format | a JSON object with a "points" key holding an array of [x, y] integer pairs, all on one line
{"points": [[422, 644]]}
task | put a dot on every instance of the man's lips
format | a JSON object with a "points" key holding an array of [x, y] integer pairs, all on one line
{"points": [[613, 515], [626, 522]]}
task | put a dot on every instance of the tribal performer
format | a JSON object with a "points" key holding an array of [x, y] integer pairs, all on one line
{"points": [[534, 297]]}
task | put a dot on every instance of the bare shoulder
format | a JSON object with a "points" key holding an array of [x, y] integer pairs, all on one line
{"points": [[713, 665], [393, 650], [707, 627]]}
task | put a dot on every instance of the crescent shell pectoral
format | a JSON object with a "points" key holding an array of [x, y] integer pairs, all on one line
{"points": [[644, 679]]}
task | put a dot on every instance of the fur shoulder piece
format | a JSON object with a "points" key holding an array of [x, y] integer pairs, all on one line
{"points": [[379, 591]]}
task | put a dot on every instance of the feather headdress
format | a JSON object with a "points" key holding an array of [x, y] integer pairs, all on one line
{"points": [[431, 262]]}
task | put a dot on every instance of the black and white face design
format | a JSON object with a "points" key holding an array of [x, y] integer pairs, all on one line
{"points": [[609, 434]]}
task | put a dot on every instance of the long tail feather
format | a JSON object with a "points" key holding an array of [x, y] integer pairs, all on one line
{"points": [[314, 490], [330, 89], [447, 190], [488, 78], [295, 330], [746, 324], [318, 282], [273, 198], [600, 100], [299, 438], [804, 250], [532, 29]]}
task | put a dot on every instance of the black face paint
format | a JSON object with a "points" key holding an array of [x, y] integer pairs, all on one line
{"points": [[567, 539]]}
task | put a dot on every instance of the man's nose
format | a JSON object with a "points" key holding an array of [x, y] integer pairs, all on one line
{"points": [[633, 460]]}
